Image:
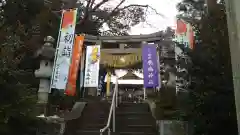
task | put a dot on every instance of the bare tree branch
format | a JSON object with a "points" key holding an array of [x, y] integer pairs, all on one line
{"points": [[119, 5], [112, 13], [93, 1], [87, 12], [117, 10], [99, 5], [146, 22], [152, 26], [144, 6], [91, 8], [88, 5]]}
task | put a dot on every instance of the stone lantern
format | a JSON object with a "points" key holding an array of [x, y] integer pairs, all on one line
{"points": [[46, 54]]}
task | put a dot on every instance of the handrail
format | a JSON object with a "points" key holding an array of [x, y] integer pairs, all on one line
{"points": [[114, 104]]}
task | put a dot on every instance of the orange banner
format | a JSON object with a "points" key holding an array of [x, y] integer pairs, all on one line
{"points": [[73, 70]]}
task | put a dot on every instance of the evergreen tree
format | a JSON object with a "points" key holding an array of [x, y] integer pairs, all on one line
{"points": [[23, 25], [212, 106]]}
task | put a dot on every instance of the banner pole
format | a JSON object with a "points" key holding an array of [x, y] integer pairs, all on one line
{"points": [[56, 53], [158, 66], [144, 89]]}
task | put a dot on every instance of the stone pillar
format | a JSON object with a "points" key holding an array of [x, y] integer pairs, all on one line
{"points": [[233, 19], [46, 53]]}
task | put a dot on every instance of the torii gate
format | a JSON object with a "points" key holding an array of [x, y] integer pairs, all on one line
{"points": [[47, 52]]}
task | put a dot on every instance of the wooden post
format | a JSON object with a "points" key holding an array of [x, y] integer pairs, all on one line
{"points": [[108, 84], [233, 19]]}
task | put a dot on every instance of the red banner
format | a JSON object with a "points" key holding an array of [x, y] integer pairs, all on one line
{"points": [[185, 33], [73, 71], [181, 27]]}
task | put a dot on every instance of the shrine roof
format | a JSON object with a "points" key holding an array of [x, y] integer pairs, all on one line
{"points": [[130, 76]]}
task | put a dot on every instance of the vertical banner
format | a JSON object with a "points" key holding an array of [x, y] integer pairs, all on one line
{"points": [[185, 34], [108, 84], [73, 71], [150, 69], [102, 75], [64, 49], [92, 66], [82, 67]]}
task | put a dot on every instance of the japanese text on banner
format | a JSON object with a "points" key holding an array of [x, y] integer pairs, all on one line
{"points": [[92, 66], [64, 49], [150, 69]]}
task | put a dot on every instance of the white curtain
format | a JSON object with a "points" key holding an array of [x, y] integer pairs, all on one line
{"points": [[120, 72], [138, 73]]}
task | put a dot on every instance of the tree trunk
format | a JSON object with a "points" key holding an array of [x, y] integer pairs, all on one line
{"points": [[211, 5]]}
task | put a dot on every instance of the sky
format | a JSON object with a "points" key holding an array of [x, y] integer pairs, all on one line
{"points": [[165, 7]]}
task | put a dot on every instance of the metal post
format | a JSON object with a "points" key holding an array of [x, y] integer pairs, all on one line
{"points": [[116, 94], [114, 113], [62, 128], [144, 93], [161, 127], [109, 131]]}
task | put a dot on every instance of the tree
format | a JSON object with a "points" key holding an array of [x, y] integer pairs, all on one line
{"points": [[211, 91], [23, 25]]}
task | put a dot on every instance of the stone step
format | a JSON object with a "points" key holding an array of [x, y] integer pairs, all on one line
{"points": [[96, 132], [93, 126], [134, 109], [131, 119], [97, 106], [99, 120], [136, 133], [95, 114], [96, 119], [134, 118], [134, 121], [90, 132], [136, 128], [133, 114], [134, 105], [95, 111]]}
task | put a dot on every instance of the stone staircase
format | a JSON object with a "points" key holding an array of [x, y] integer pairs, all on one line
{"points": [[135, 119], [131, 119], [93, 118]]}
